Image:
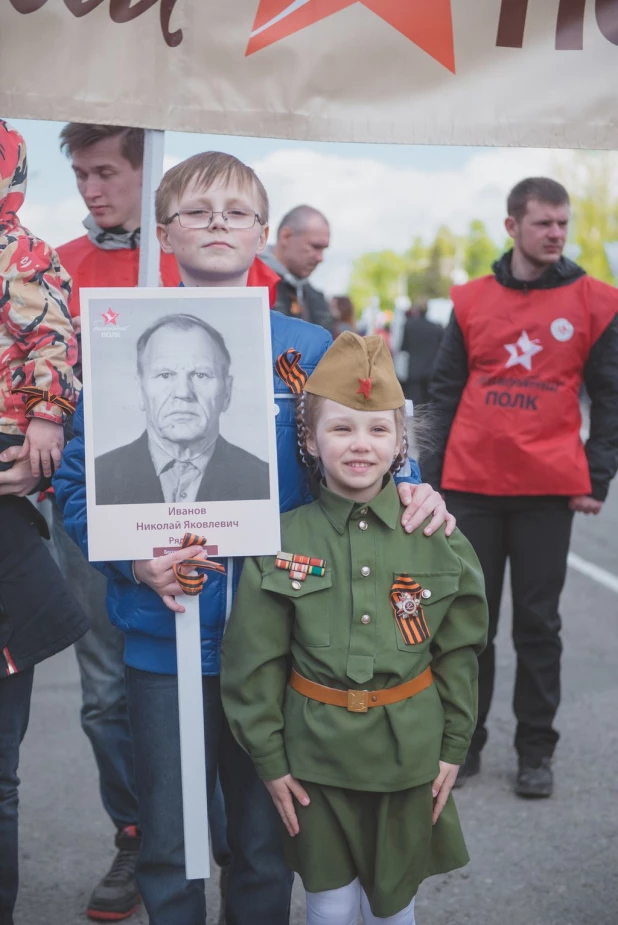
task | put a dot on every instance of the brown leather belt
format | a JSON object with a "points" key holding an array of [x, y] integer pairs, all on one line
{"points": [[360, 701]]}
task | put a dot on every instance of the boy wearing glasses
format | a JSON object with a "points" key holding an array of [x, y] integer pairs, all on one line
{"points": [[212, 214]]}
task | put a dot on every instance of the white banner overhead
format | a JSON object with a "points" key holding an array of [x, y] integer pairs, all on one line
{"points": [[482, 72]]}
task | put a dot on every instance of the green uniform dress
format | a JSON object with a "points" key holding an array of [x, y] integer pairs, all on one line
{"points": [[368, 775]]}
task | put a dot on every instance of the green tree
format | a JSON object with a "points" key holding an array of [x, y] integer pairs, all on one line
{"points": [[590, 180], [442, 261], [377, 274], [417, 260], [479, 250]]}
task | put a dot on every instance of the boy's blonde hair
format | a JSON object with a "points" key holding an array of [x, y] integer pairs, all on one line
{"points": [[204, 170]]}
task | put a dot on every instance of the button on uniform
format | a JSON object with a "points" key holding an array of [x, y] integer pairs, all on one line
{"points": [[365, 619], [362, 525], [365, 571], [296, 585], [426, 593]]}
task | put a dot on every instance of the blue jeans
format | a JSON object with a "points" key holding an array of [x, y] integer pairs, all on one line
{"points": [[15, 694], [260, 884], [104, 715]]}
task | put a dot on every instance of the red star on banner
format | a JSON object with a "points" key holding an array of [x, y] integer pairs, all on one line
{"points": [[427, 23], [110, 317], [365, 387]]}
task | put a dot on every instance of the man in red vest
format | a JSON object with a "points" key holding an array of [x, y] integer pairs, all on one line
{"points": [[107, 161], [509, 456]]}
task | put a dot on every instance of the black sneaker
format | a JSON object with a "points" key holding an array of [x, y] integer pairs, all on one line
{"points": [[470, 767], [116, 896], [535, 778]]}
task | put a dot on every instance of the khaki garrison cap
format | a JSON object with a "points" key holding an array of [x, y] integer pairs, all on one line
{"points": [[357, 372]]}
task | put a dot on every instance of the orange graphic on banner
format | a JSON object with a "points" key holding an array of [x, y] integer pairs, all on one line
{"points": [[427, 23]]}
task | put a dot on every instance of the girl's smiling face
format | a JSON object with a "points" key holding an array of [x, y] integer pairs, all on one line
{"points": [[356, 448]]}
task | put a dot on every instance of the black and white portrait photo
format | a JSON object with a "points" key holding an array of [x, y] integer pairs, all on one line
{"points": [[178, 405], [185, 384]]}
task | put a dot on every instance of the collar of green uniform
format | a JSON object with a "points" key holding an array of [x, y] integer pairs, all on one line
{"points": [[386, 506]]}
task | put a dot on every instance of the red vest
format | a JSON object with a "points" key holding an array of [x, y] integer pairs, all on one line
{"points": [[89, 265], [516, 431]]}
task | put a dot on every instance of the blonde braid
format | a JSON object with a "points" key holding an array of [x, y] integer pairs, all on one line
{"points": [[309, 461], [402, 456]]}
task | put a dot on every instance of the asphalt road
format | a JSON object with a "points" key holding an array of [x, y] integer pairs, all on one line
{"points": [[553, 862]]}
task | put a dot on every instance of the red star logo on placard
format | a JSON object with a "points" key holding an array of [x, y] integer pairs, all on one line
{"points": [[110, 317], [365, 387], [427, 23]]}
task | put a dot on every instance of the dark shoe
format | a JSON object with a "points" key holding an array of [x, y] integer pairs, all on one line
{"points": [[470, 767], [224, 873], [116, 896], [534, 778]]}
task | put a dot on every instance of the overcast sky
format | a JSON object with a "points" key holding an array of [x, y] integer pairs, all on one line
{"points": [[375, 196]]}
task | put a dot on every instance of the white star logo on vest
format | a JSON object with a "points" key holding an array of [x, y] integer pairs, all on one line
{"points": [[522, 351]]}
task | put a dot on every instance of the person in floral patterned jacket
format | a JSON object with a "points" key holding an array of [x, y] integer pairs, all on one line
{"points": [[38, 347]]}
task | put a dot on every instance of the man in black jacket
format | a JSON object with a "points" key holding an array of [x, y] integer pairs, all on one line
{"points": [[508, 454], [420, 344], [38, 618], [302, 238]]}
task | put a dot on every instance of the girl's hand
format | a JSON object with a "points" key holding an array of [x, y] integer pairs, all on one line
{"points": [[158, 574], [442, 786], [282, 789]]}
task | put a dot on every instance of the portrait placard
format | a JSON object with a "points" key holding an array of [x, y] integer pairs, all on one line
{"points": [[179, 421]]}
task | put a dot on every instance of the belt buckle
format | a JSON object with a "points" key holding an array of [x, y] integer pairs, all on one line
{"points": [[358, 701]]}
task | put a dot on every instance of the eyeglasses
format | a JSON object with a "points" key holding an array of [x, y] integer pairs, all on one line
{"points": [[237, 219]]}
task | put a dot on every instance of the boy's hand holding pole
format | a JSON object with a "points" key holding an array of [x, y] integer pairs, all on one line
{"points": [[158, 574]]}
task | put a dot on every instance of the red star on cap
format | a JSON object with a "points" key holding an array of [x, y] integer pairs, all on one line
{"points": [[365, 387], [110, 316], [427, 23]]}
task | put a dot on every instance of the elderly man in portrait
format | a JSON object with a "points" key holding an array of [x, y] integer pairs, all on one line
{"points": [[183, 368]]}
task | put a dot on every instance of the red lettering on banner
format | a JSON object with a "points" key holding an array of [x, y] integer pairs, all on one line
{"points": [[569, 24], [120, 11], [82, 7], [607, 18]]}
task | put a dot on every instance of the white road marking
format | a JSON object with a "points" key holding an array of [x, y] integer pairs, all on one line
{"points": [[593, 571], [295, 5]]}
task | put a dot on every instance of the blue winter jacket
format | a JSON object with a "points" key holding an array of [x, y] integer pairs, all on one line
{"points": [[135, 608]]}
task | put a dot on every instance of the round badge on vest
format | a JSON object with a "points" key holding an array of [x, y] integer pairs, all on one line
{"points": [[562, 329]]}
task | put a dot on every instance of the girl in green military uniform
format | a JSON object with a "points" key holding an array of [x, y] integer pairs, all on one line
{"points": [[349, 666]]}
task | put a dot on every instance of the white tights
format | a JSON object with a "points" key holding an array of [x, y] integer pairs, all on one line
{"points": [[342, 907]]}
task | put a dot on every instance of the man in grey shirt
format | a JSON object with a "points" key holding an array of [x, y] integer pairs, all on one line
{"points": [[302, 238]]}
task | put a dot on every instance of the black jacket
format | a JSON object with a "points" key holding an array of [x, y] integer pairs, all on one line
{"points": [[316, 306], [450, 375], [127, 475], [38, 614], [421, 341]]}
